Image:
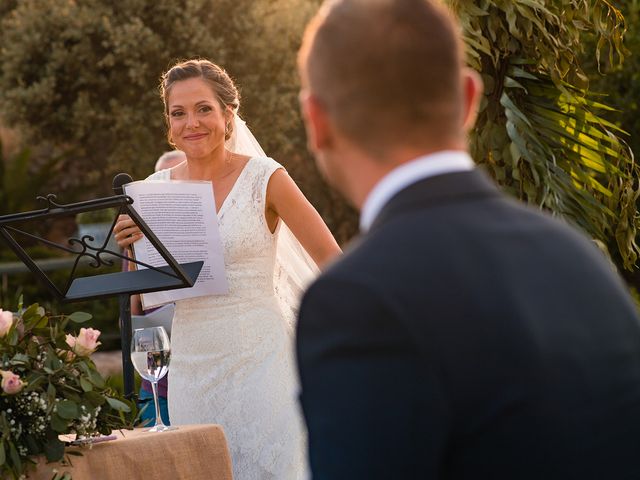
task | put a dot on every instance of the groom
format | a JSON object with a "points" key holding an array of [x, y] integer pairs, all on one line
{"points": [[463, 336]]}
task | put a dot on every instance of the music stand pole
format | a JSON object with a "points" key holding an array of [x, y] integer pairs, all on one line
{"points": [[125, 345]]}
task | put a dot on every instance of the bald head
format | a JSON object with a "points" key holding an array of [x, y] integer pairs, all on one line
{"points": [[170, 160], [386, 71]]}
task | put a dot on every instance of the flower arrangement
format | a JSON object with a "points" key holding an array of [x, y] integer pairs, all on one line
{"points": [[50, 387]]}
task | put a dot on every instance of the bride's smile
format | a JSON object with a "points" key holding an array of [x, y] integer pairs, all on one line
{"points": [[197, 120], [195, 136]]}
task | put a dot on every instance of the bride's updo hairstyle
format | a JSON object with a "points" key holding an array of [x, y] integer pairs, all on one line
{"points": [[217, 78]]}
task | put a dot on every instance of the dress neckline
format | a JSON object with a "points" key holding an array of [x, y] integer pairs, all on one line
{"points": [[235, 184]]}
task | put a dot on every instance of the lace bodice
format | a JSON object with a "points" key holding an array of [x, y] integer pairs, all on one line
{"points": [[249, 247], [232, 355]]}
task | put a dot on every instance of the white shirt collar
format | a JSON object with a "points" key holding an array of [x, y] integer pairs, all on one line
{"points": [[401, 177]]}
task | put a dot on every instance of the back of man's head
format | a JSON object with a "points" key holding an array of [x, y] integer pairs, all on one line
{"points": [[386, 71]]}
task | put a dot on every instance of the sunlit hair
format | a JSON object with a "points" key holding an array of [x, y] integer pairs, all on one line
{"points": [[217, 78], [386, 70]]}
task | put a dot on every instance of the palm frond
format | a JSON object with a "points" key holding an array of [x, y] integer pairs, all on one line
{"points": [[540, 132]]}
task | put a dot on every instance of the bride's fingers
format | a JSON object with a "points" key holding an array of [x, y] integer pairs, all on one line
{"points": [[125, 227], [123, 222], [126, 232], [126, 240]]}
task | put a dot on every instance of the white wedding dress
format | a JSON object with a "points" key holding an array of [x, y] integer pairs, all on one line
{"points": [[232, 355]]}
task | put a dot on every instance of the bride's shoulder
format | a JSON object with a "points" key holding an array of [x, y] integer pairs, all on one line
{"points": [[266, 164]]}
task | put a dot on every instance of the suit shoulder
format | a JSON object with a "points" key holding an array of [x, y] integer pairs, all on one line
{"points": [[350, 280]]}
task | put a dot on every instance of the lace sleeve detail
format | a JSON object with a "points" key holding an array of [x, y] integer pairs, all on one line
{"points": [[264, 168]]}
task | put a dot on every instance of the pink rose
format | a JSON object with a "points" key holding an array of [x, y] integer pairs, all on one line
{"points": [[6, 320], [11, 382], [85, 343]]}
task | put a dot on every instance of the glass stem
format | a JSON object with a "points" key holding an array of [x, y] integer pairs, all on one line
{"points": [[154, 387]]}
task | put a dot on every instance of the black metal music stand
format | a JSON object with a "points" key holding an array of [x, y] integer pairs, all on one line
{"points": [[123, 284]]}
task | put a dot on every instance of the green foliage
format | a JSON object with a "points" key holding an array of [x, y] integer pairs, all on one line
{"points": [[104, 311], [82, 75], [540, 132], [6, 6], [19, 183], [622, 86], [262, 37], [116, 383], [106, 215], [621, 83], [60, 391]]}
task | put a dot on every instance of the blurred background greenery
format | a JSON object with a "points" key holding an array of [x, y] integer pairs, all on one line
{"points": [[79, 103]]}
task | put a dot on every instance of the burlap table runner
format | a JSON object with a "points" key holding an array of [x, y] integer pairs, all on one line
{"points": [[194, 452]]}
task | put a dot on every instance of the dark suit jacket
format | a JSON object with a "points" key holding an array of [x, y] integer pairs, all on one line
{"points": [[467, 336]]}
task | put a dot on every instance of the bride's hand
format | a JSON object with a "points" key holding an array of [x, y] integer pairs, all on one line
{"points": [[126, 232]]}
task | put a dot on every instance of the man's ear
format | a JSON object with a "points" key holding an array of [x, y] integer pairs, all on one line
{"points": [[316, 122], [473, 89]]}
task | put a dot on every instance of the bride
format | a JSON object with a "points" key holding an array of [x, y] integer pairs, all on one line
{"points": [[232, 355]]}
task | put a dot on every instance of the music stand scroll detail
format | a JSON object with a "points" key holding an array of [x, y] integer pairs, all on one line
{"points": [[123, 284]]}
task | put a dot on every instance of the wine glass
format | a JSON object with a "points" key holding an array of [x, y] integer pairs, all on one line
{"points": [[150, 354]]}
